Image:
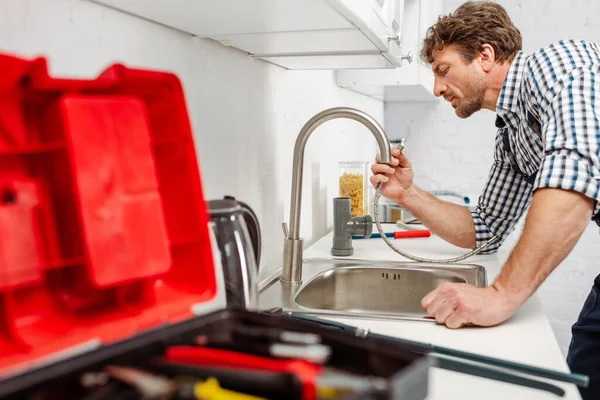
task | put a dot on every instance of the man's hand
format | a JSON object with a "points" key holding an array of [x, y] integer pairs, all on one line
{"points": [[459, 304], [397, 176], [544, 244]]}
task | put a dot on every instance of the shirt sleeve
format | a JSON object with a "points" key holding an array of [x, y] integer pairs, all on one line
{"points": [[571, 133], [505, 197]]}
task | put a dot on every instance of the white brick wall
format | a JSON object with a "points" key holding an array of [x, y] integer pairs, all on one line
{"points": [[454, 154]]}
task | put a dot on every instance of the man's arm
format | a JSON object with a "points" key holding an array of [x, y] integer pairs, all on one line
{"points": [[503, 201], [451, 222], [556, 220], [505, 197]]}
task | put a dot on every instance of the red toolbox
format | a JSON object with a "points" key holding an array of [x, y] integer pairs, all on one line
{"points": [[105, 240]]}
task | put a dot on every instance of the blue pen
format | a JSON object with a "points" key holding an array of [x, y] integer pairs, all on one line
{"points": [[374, 236]]}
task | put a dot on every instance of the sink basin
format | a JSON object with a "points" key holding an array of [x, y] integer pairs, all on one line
{"points": [[391, 289]]}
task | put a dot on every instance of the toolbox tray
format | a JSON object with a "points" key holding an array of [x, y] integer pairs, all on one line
{"points": [[405, 367]]}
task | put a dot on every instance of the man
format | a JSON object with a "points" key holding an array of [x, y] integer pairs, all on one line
{"points": [[547, 158]]}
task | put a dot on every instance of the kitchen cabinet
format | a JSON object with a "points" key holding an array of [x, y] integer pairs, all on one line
{"points": [[295, 34], [412, 82]]}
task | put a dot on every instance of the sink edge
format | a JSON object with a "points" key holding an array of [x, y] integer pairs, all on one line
{"points": [[272, 295]]}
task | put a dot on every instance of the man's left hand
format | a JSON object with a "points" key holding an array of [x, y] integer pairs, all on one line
{"points": [[459, 304]]}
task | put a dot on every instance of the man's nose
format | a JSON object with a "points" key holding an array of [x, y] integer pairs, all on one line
{"points": [[438, 88]]}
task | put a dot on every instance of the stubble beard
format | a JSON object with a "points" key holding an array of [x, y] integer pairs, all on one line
{"points": [[474, 102]]}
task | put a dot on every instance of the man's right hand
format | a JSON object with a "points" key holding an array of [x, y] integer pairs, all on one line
{"points": [[396, 175]]}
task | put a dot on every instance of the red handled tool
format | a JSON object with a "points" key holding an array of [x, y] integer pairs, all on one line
{"points": [[315, 378], [399, 234], [412, 234]]}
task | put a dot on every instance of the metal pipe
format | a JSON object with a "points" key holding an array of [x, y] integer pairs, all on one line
{"points": [[292, 263]]}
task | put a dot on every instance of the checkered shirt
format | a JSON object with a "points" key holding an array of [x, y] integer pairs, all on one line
{"points": [[548, 119]]}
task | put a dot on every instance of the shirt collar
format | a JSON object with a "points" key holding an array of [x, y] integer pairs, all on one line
{"points": [[509, 94]]}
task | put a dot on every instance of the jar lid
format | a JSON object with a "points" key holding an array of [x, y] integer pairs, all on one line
{"points": [[353, 162]]}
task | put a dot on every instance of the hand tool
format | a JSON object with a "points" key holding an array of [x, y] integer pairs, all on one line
{"points": [[316, 380], [267, 384], [157, 387], [398, 234]]}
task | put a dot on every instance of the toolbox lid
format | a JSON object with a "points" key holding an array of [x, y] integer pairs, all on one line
{"points": [[103, 222]]}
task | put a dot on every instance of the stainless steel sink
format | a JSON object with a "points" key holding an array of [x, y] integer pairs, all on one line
{"points": [[376, 289]]}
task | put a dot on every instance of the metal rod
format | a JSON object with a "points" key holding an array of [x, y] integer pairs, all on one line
{"points": [[496, 375], [577, 379]]}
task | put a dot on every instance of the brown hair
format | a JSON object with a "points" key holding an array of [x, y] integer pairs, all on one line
{"points": [[472, 25]]}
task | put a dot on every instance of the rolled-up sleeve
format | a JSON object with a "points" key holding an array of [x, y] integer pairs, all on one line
{"points": [[505, 197], [571, 132]]}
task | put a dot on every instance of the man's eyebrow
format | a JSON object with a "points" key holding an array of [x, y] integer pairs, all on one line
{"points": [[437, 68]]}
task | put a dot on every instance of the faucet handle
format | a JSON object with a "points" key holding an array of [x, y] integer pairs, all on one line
{"points": [[285, 229]]}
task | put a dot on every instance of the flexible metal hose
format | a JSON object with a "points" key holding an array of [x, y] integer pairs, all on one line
{"points": [[415, 258], [409, 256]]}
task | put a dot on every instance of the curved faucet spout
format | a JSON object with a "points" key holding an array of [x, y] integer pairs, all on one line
{"points": [[292, 267]]}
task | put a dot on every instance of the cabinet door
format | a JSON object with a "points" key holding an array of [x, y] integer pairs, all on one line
{"points": [[413, 81], [331, 61], [295, 34], [206, 18], [333, 41], [367, 15], [391, 13]]}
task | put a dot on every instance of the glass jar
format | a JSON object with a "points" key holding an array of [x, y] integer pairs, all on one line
{"points": [[389, 211], [353, 184]]}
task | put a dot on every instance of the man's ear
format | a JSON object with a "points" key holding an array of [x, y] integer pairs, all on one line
{"points": [[487, 57]]}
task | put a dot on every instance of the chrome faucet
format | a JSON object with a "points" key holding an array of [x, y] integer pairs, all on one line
{"points": [[291, 273]]}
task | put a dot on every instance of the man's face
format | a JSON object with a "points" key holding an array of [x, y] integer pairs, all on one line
{"points": [[462, 84]]}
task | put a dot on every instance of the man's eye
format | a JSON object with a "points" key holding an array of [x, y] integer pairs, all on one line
{"points": [[444, 71]]}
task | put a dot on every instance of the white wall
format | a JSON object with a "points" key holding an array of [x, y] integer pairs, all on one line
{"points": [[245, 113], [454, 154]]}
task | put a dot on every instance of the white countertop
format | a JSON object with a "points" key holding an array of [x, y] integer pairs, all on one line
{"points": [[526, 337]]}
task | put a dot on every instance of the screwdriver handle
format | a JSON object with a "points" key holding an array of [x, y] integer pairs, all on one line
{"points": [[211, 390], [412, 234], [268, 384]]}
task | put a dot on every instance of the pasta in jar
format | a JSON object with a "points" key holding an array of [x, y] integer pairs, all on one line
{"points": [[353, 185]]}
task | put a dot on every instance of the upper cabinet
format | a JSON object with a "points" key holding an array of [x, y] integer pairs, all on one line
{"points": [[412, 82], [295, 34], [373, 44]]}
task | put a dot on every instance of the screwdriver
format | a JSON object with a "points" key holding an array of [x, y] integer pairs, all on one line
{"points": [[157, 387], [398, 234], [269, 384]]}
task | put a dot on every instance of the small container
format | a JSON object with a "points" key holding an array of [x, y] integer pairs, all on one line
{"points": [[353, 184], [389, 211]]}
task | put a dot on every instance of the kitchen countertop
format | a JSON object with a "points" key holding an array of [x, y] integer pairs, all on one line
{"points": [[526, 337]]}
